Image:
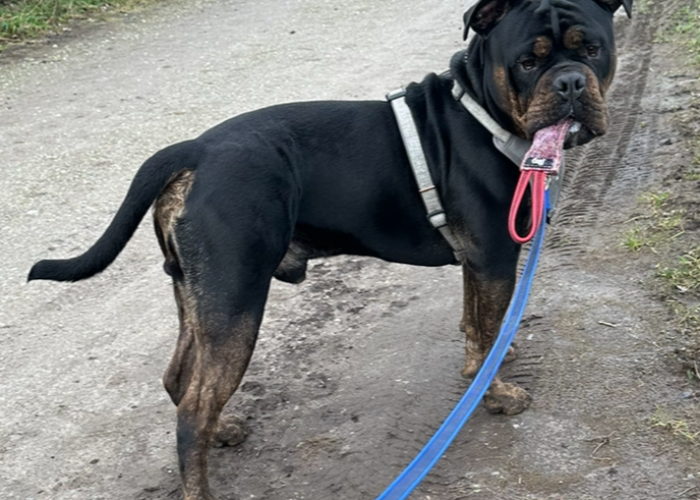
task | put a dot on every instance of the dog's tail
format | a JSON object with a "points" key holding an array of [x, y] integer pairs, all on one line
{"points": [[149, 182]]}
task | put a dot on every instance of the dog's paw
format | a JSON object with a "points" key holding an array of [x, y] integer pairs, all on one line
{"points": [[508, 399], [231, 432]]}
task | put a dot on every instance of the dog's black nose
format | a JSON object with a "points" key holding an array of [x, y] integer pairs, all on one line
{"points": [[570, 85]]}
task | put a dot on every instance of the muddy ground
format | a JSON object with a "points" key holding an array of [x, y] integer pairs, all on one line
{"points": [[359, 365]]}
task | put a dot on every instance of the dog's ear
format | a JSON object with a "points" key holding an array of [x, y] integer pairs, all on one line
{"points": [[484, 15], [613, 5]]}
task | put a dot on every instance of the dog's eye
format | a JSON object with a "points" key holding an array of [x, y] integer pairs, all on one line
{"points": [[528, 64], [593, 51]]}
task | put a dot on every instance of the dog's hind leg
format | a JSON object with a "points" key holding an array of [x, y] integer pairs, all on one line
{"points": [[221, 311], [221, 355], [231, 430], [485, 303], [167, 210], [222, 265]]}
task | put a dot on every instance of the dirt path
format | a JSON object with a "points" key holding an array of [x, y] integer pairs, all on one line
{"points": [[357, 367]]}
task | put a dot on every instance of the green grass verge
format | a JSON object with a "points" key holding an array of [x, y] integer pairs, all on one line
{"points": [[686, 27], [662, 226], [24, 19], [685, 274]]}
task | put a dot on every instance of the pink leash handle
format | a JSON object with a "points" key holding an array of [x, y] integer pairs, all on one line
{"points": [[537, 187]]}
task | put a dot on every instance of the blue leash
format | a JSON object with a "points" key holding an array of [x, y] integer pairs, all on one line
{"points": [[438, 444]]}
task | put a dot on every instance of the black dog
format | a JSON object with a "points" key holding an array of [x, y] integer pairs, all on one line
{"points": [[260, 194]]}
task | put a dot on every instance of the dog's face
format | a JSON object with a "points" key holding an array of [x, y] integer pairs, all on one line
{"points": [[547, 60]]}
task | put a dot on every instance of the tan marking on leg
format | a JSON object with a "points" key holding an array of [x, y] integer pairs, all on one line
{"points": [[167, 209], [475, 358], [176, 378], [469, 325]]}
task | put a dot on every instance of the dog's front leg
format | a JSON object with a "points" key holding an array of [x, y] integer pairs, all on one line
{"points": [[485, 303]]}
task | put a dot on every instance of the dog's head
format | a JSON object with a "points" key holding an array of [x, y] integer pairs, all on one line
{"points": [[543, 61]]}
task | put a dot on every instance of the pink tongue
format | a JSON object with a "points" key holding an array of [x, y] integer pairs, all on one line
{"points": [[547, 148]]}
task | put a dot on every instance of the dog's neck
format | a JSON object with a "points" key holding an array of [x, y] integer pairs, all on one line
{"points": [[470, 93], [467, 68], [459, 68]]}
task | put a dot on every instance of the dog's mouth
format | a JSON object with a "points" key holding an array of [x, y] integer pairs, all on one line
{"points": [[580, 131], [547, 149]]}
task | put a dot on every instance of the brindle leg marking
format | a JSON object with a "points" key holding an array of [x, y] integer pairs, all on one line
{"points": [[176, 375], [485, 304], [167, 210], [219, 364], [469, 325], [231, 430]]}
